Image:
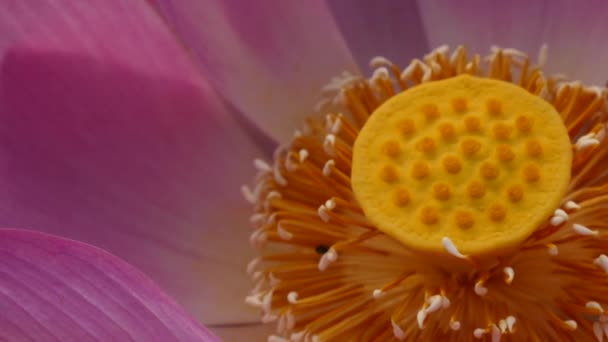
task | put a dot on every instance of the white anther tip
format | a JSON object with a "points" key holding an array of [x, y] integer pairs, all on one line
{"points": [[327, 167], [571, 205], [378, 61], [254, 300], [496, 333], [582, 230], [560, 212], [252, 265], [451, 248], [479, 289], [420, 317], [292, 297], [509, 274], [261, 165], [377, 293], [435, 303], [455, 325], [380, 73], [510, 322], [594, 306], [602, 261], [283, 234], [323, 213], [479, 332], [398, 332], [327, 258], [552, 249], [302, 155], [329, 143], [557, 220], [598, 331], [571, 324], [248, 194]]}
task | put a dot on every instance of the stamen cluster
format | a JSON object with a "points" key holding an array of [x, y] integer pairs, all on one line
{"points": [[326, 273]]}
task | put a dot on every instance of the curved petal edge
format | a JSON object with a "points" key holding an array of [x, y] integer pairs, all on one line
{"points": [[54, 289]]}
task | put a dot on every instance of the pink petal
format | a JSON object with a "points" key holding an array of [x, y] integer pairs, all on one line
{"points": [[269, 58], [575, 31], [110, 136], [391, 29], [53, 289]]}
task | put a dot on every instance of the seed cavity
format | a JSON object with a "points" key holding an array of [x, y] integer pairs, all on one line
{"points": [[494, 107], [430, 111], [469, 147], [442, 191], [452, 164], [459, 104]]}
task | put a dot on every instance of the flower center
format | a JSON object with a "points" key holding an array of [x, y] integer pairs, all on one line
{"points": [[478, 161]]}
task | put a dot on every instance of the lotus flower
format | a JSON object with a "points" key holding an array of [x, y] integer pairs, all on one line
{"points": [[129, 126]]}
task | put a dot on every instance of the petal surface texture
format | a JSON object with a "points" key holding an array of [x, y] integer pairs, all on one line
{"points": [[110, 136], [391, 29], [54, 289], [269, 58], [574, 31]]}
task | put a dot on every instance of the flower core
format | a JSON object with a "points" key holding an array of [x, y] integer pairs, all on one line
{"points": [[485, 158], [481, 162]]}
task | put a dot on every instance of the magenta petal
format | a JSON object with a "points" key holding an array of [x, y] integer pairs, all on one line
{"points": [[391, 29], [146, 167], [269, 58], [575, 31], [53, 289], [108, 135]]}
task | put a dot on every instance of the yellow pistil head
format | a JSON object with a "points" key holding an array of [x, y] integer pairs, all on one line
{"points": [[481, 171]]}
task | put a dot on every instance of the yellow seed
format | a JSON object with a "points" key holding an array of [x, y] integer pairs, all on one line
{"points": [[504, 153], [442, 191], [524, 123], [531, 173], [497, 212], [502, 131], [464, 219], [452, 164], [459, 104], [472, 123], [426, 145], [406, 127], [534, 148], [494, 107], [515, 193], [488, 170], [469, 146], [401, 197], [392, 148], [429, 216], [476, 189], [447, 130], [389, 174], [420, 169], [430, 111]]}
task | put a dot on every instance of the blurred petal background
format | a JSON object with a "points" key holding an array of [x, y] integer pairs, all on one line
{"points": [[131, 125]]}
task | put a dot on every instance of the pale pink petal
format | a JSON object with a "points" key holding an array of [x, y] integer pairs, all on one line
{"points": [[269, 58], [575, 31], [54, 289], [109, 136], [391, 29]]}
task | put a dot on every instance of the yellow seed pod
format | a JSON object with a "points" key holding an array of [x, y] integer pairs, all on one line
{"points": [[478, 182]]}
